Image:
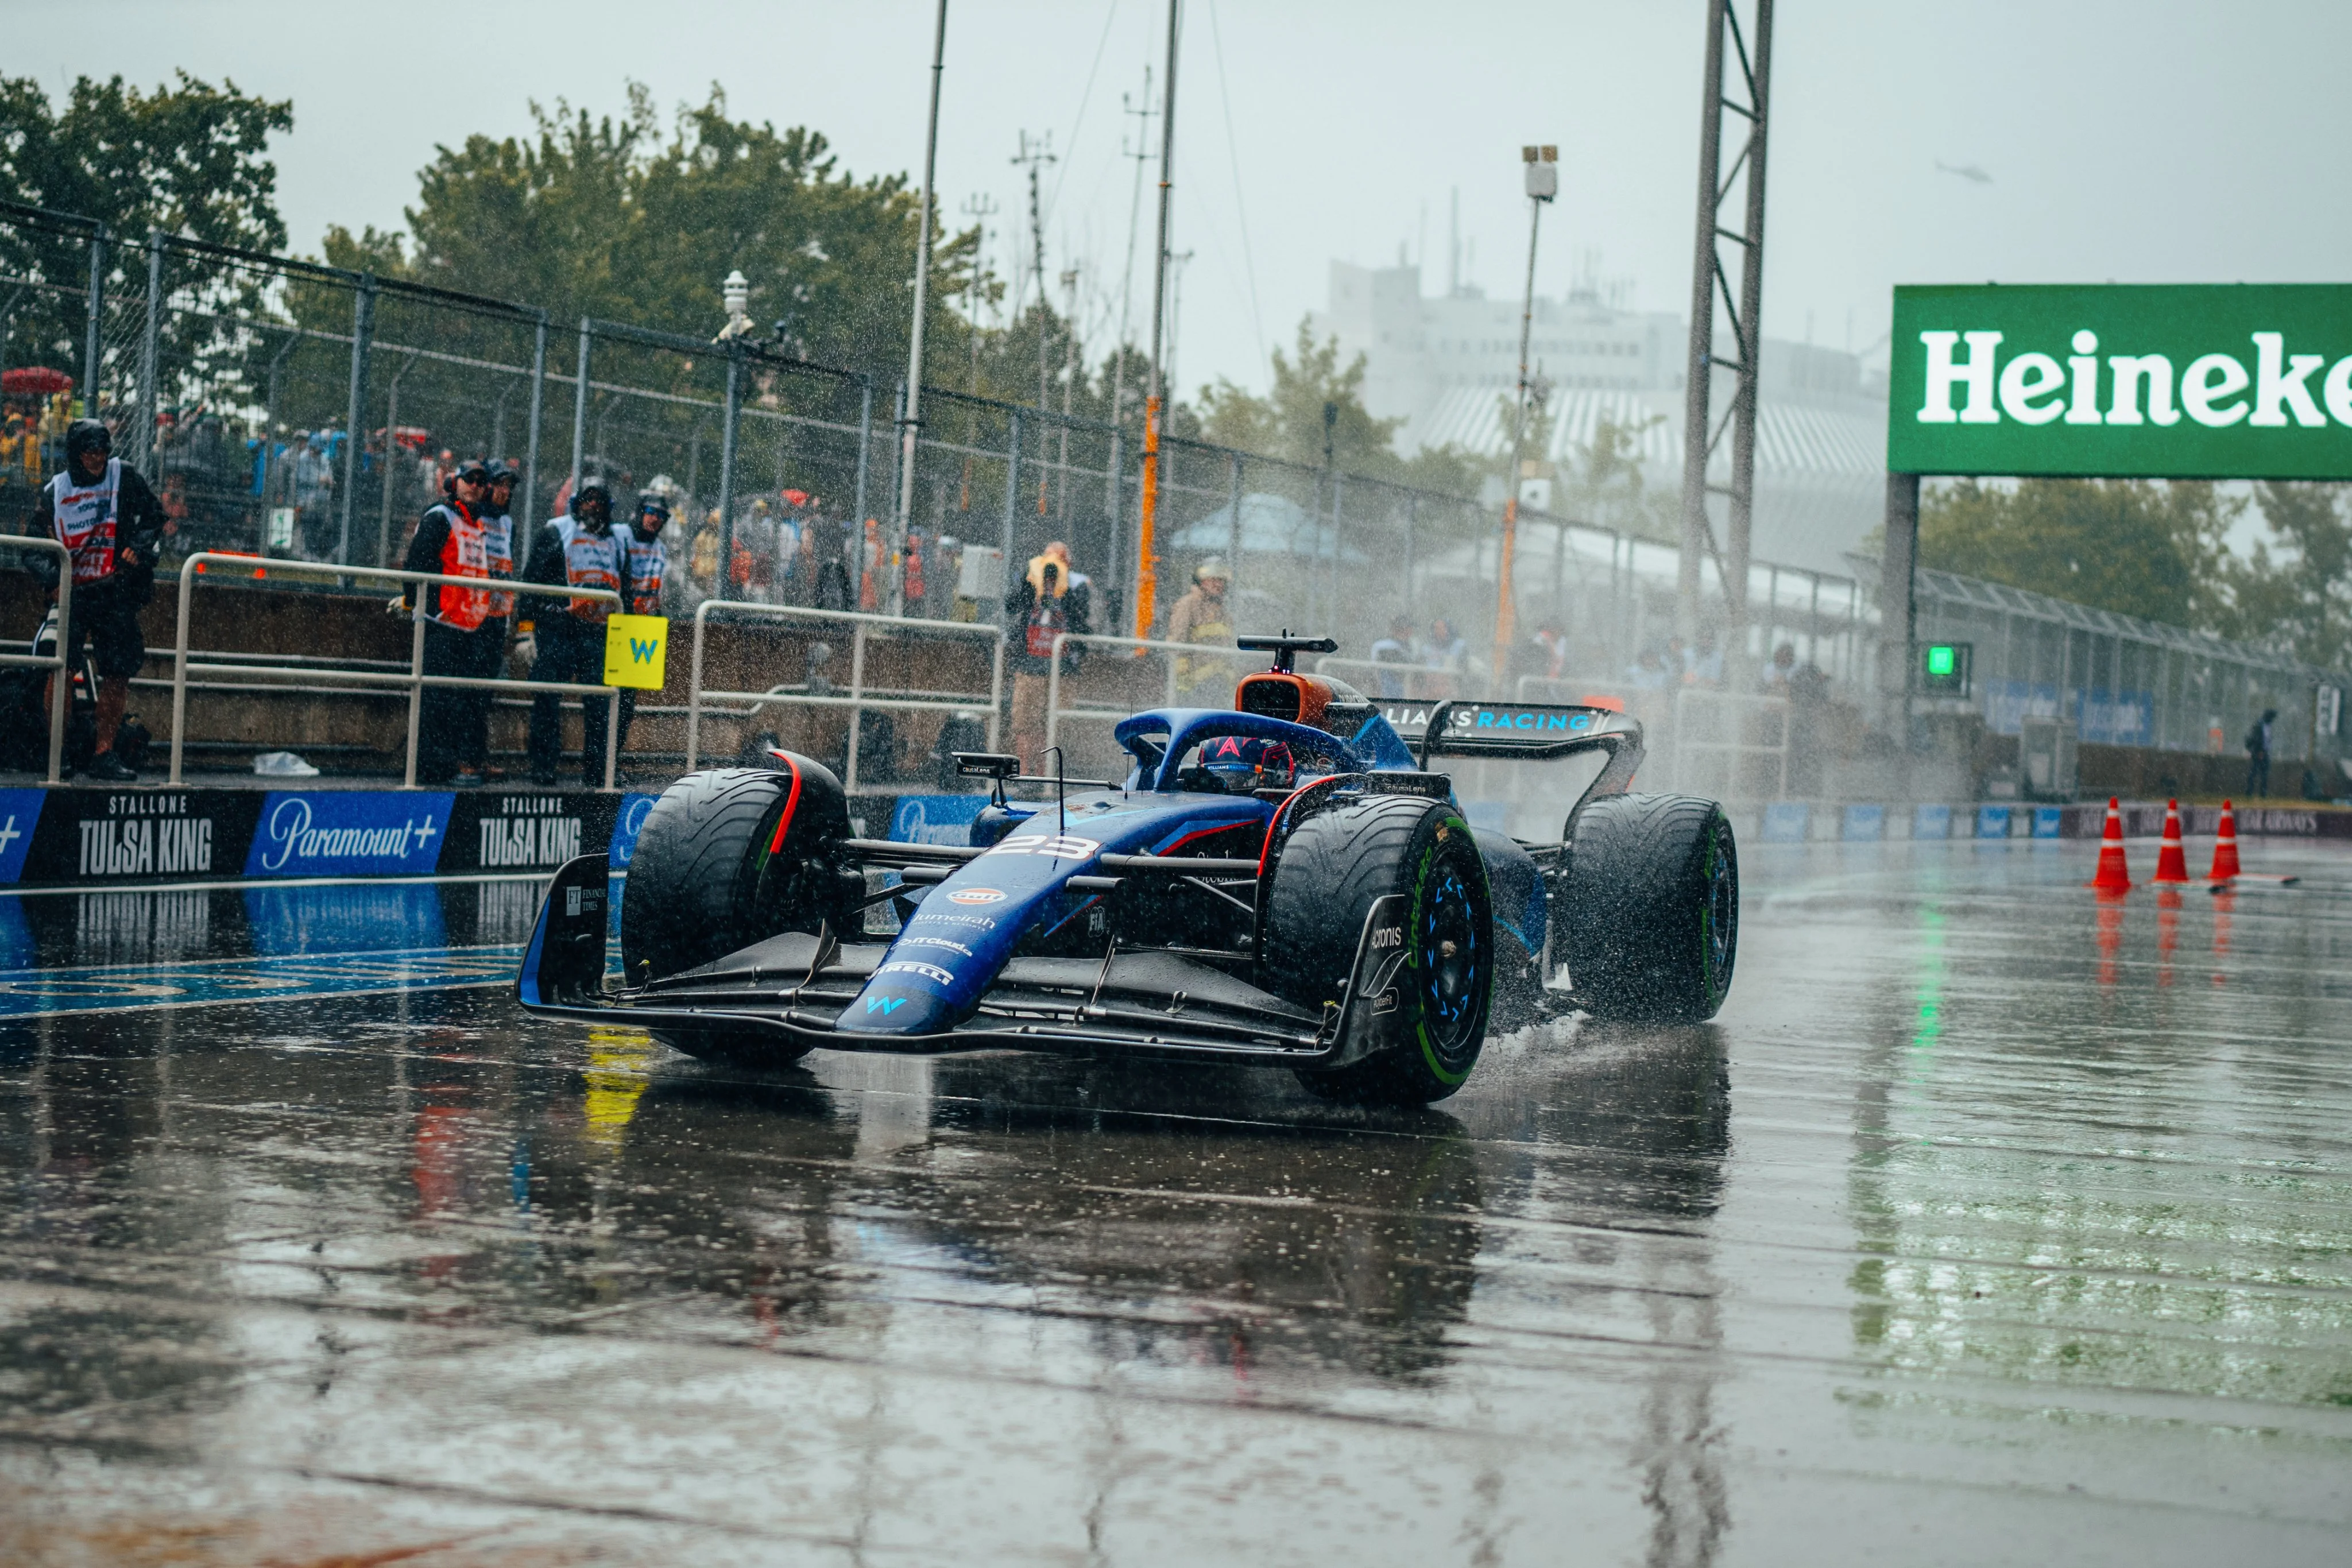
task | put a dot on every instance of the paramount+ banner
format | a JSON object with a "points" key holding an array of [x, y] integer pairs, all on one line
{"points": [[2180, 381]]}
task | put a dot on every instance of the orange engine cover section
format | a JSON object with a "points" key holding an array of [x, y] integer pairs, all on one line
{"points": [[1277, 694]]}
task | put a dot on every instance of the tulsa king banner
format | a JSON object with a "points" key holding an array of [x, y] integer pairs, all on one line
{"points": [[2188, 381]]}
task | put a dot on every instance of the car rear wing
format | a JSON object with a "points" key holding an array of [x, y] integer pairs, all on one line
{"points": [[1532, 732]]}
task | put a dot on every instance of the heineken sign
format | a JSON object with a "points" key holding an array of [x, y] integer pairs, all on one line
{"points": [[2197, 381]]}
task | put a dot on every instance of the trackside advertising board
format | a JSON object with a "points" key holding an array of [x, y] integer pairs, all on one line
{"points": [[2184, 382]]}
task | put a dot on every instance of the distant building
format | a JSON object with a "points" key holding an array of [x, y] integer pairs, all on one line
{"points": [[1444, 365]]}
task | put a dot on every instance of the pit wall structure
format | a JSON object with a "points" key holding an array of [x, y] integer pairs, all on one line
{"points": [[1800, 821], [87, 837], [81, 836]]}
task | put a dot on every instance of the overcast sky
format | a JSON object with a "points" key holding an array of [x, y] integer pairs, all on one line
{"points": [[2156, 140]]}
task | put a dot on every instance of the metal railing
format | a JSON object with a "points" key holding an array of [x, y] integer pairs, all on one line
{"points": [[61, 662], [413, 679], [857, 699]]}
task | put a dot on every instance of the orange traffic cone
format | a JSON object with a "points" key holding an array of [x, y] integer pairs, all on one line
{"points": [[2225, 847], [2171, 864], [2113, 875]]}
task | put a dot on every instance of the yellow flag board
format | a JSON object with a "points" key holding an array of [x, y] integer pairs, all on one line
{"points": [[635, 647]]}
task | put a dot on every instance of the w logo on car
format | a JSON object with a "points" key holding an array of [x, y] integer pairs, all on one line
{"points": [[886, 1005]]}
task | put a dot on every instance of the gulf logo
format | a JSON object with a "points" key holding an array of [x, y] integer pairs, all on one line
{"points": [[976, 896]]}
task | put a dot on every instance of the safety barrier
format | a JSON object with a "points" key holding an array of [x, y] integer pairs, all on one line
{"points": [[60, 685], [413, 679], [857, 699]]}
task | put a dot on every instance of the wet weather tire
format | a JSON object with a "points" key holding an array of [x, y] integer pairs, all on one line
{"points": [[1330, 871], [1650, 926], [726, 858]]}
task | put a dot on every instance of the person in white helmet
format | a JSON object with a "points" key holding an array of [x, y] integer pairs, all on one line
{"points": [[1201, 617]]}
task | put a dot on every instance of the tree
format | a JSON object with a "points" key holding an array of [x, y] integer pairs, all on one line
{"points": [[2136, 547], [1603, 486], [188, 158], [1289, 421], [2304, 597], [609, 217]]}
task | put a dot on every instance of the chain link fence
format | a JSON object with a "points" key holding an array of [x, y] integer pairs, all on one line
{"points": [[309, 414]]}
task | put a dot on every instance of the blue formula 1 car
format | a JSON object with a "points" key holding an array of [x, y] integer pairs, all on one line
{"points": [[1283, 883]]}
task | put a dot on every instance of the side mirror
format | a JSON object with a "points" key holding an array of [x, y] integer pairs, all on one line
{"points": [[986, 765]]}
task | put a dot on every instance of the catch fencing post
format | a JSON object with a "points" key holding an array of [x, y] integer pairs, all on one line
{"points": [[1012, 502], [1411, 531], [1115, 509], [864, 444], [94, 344], [1331, 599], [149, 352], [1233, 539], [390, 424], [857, 704], [538, 398], [580, 408], [362, 334], [415, 692], [727, 465]]}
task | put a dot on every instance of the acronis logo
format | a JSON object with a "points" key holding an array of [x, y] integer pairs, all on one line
{"points": [[886, 1005]]}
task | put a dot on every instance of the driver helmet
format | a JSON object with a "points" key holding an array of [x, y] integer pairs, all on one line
{"points": [[1242, 764]]}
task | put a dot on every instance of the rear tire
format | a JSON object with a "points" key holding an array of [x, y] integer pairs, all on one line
{"points": [[1650, 924], [726, 858], [1330, 871]]}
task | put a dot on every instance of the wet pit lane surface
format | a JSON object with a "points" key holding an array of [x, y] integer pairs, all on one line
{"points": [[1989, 1224]]}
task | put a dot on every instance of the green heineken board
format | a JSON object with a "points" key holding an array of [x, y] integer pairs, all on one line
{"points": [[2188, 381]]}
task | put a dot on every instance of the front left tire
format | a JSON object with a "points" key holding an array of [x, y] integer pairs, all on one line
{"points": [[1329, 873], [729, 857]]}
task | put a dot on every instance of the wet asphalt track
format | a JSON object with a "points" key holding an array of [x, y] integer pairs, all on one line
{"points": [[1987, 1226]]}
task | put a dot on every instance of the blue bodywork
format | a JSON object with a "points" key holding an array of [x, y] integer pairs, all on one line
{"points": [[965, 928]]}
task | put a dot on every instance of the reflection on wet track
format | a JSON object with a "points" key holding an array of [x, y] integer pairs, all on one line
{"points": [[1990, 1223]]}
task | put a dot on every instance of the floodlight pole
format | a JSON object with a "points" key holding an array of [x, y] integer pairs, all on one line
{"points": [[1709, 275], [911, 422], [1147, 568], [1542, 165]]}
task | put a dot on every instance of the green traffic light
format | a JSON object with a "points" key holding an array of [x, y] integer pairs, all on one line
{"points": [[1940, 659]]}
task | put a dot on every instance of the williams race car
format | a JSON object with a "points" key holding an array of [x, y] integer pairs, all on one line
{"points": [[1285, 883]]}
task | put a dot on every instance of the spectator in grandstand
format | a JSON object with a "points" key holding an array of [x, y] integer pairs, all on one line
{"points": [[453, 539], [1648, 671], [1704, 665], [1776, 674], [577, 550], [2258, 754], [100, 508], [1396, 648], [1201, 617], [1445, 649], [1041, 609], [829, 544], [648, 564], [314, 495], [20, 466]]}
